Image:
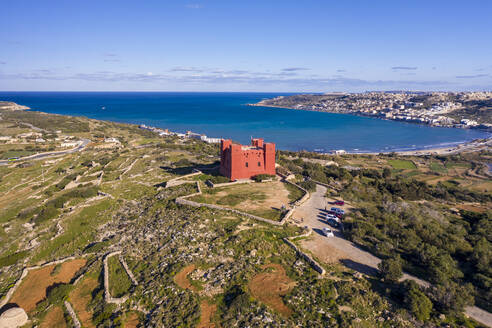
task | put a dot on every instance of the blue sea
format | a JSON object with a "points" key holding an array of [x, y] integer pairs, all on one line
{"points": [[226, 115]]}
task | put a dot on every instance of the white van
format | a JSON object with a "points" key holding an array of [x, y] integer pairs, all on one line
{"points": [[328, 232]]}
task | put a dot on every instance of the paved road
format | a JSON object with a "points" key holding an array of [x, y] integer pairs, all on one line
{"points": [[83, 144], [337, 248]]}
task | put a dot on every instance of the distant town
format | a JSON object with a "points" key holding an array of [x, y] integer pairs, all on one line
{"points": [[188, 134], [445, 109]]}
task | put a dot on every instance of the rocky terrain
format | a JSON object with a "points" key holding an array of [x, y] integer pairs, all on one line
{"points": [[8, 105], [101, 228]]}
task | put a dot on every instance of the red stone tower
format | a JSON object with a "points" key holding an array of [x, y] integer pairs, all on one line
{"points": [[243, 162]]}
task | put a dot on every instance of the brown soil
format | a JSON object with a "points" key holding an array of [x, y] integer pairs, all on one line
{"points": [[207, 311], [472, 208], [80, 298], [131, 320], [275, 191], [322, 251], [345, 308], [181, 279], [435, 181], [33, 288], [485, 186], [54, 319], [269, 286]]}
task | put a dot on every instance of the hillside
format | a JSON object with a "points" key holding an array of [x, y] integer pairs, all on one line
{"points": [[461, 110], [98, 227]]}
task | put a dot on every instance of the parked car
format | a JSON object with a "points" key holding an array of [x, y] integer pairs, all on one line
{"points": [[337, 210], [339, 202], [334, 223], [328, 232], [332, 217]]}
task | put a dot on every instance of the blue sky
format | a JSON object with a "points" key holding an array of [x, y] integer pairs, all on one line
{"points": [[253, 45]]}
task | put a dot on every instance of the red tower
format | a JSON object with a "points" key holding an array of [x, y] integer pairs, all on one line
{"points": [[243, 162]]}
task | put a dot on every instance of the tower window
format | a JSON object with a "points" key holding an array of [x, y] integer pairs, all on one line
{"points": [[246, 164], [259, 164]]}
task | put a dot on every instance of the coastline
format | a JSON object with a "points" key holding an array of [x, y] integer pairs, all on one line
{"points": [[9, 105], [456, 147], [357, 113], [473, 145], [469, 146]]}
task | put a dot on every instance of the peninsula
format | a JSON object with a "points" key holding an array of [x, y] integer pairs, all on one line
{"points": [[109, 224], [445, 109], [8, 105]]}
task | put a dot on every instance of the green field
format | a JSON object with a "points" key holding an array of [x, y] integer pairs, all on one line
{"points": [[119, 282], [400, 164], [263, 199], [437, 167]]}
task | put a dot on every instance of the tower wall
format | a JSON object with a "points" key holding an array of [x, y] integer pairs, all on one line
{"points": [[243, 162]]}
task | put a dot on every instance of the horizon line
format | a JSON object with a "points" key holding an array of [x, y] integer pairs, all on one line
{"points": [[294, 92]]}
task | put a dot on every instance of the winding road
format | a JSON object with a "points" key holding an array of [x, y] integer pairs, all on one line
{"points": [[338, 249], [80, 147]]}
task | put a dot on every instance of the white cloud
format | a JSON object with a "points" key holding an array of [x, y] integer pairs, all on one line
{"points": [[398, 68], [194, 6]]}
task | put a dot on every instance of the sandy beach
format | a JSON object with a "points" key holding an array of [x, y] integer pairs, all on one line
{"points": [[475, 145]]}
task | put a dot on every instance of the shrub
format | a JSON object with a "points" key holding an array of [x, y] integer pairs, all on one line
{"points": [[46, 213], [261, 177], [58, 293], [309, 185], [12, 258], [451, 297], [390, 269], [416, 301]]}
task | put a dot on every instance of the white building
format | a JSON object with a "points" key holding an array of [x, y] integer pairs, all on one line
{"points": [[69, 144], [210, 140], [111, 140]]}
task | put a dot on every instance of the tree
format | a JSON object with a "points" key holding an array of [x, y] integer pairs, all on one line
{"points": [[482, 255], [386, 173], [390, 269], [58, 293], [452, 297], [416, 301]]}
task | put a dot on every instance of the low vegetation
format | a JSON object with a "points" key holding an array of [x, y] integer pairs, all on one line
{"points": [[426, 215], [119, 282], [419, 223]]}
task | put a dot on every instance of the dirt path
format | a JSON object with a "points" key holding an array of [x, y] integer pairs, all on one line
{"points": [[337, 248], [207, 312], [131, 320], [181, 278], [334, 249]]}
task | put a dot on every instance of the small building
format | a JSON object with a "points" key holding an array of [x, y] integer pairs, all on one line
{"points": [[243, 162], [69, 144], [112, 140], [210, 140]]}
